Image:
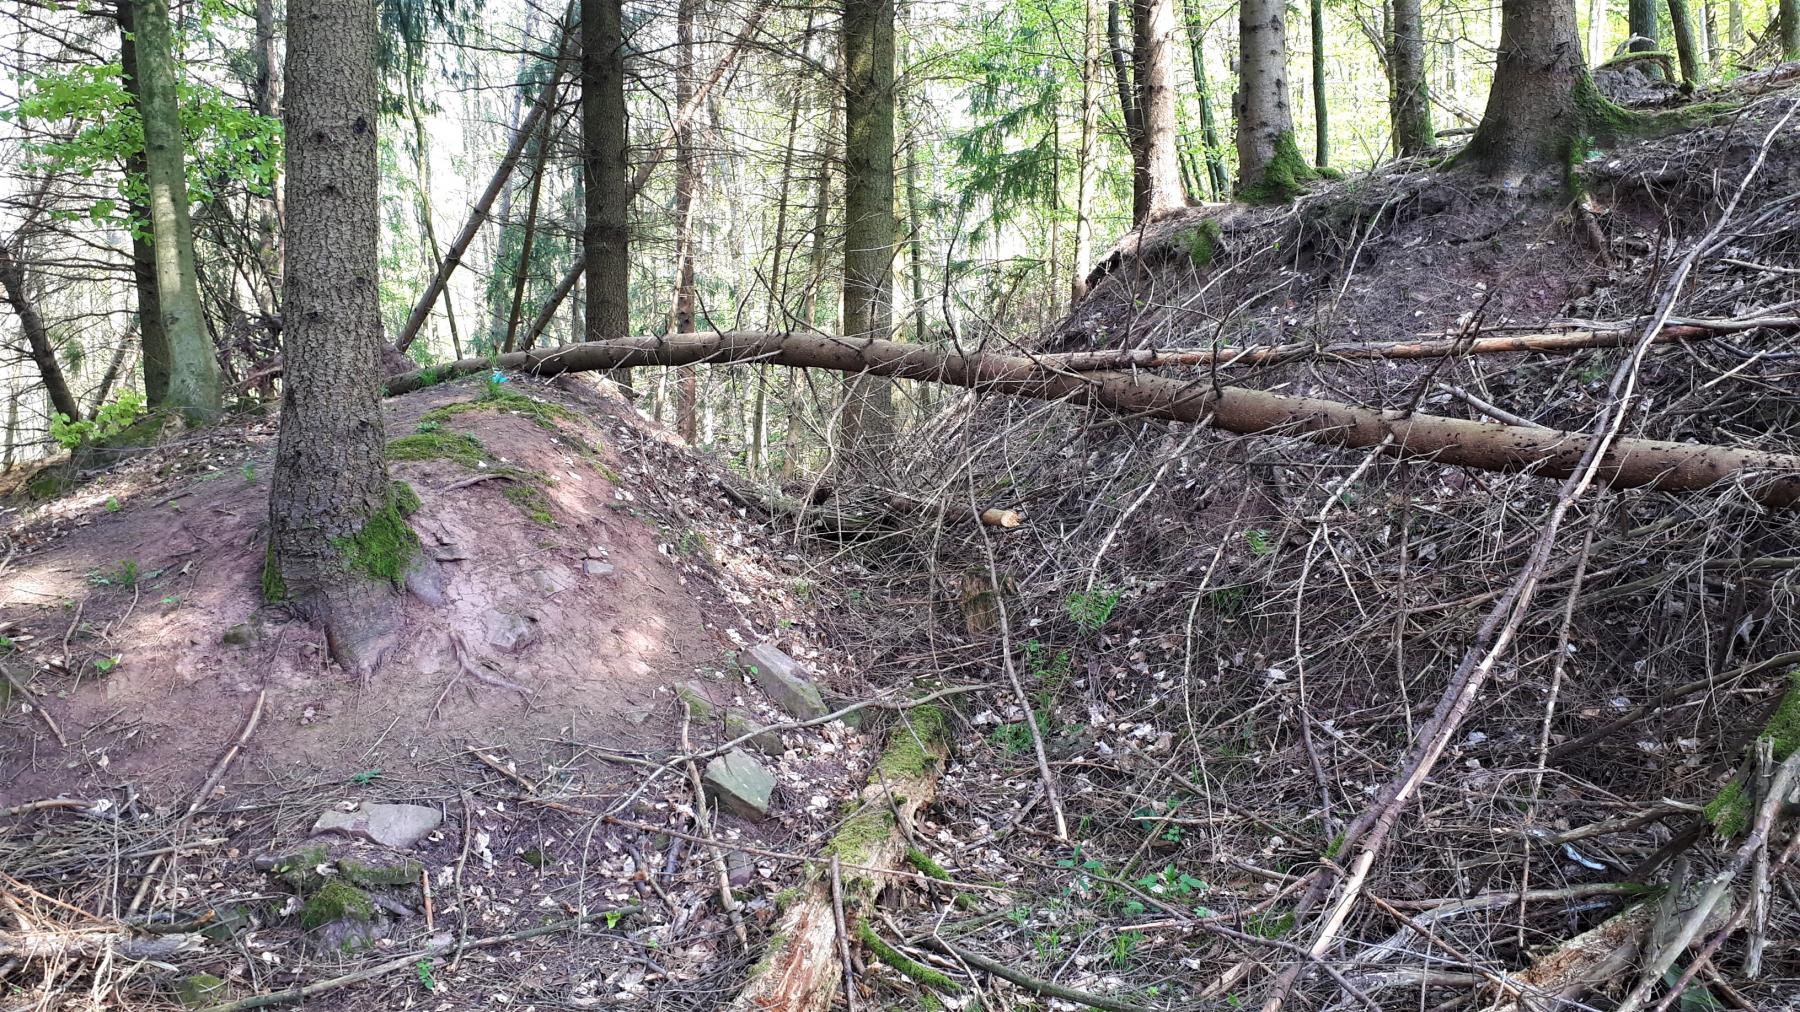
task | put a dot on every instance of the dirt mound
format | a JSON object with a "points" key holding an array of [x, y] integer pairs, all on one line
{"points": [[559, 596]]}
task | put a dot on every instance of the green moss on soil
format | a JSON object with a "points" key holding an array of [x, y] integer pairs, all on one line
{"points": [[386, 543], [1284, 179], [910, 750], [1201, 242], [543, 413], [1730, 812], [532, 502], [453, 446], [926, 866], [912, 969], [336, 900]]}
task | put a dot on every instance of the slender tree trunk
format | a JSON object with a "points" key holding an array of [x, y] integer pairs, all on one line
{"points": [[503, 216], [143, 257], [687, 180], [1687, 50], [426, 217], [915, 245], [1789, 17], [15, 395], [1152, 64], [1642, 23], [868, 66], [1542, 100], [13, 285], [193, 369], [1411, 103], [1597, 52], [605, 236], [1129, 112], [522, 272], [1216, 173], [809, 309], [1270, 167], [1709, 35], [1734, 24], [267, 94], [338, 538], [1084, 153], [1321, 115]]}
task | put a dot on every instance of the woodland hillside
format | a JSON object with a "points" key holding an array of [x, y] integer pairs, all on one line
{"points": [[1137, 506]]}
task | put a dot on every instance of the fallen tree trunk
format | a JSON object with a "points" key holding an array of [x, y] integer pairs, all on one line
{"points": [[1770, 478], [801, 970]]}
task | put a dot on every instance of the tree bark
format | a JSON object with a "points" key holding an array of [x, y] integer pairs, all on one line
{"points": [[1596, 33], [37, 337], [1270, 167], [1770, 478], [868, 66], [527, 238], [1084, 153], [1542, 101], [605, 235], [1216, 173], [1734, 25], [193, 369], [1687, 48], [422, 151], [1321, 112], [330, 500], [1642, 23], [1789, 18], [687, 180], [1152, 66], [143, 258], [1129, 113], [1410, 107]]}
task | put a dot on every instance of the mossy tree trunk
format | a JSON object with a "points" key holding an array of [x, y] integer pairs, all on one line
{"points": [[143, 258], [1153, 70], [193, 371], [1409, 107], [1270, 166], [1641, 20], [605, 237], [868, 64], [336, 537], [1687, 46], [1543, 105]]}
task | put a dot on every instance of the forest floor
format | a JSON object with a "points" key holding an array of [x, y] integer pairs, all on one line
{"points": [[1225, 645]]}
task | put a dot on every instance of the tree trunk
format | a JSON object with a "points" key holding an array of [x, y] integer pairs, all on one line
{"points": [[1789, 16], [1596, 35], [1270, 167], [1771, 478], [1542, 101], [1411, 103], [503, 217], [868, 66], [1734, 25], [809, 307], [338, 538], [1216, 173], [1152, 64], [422, 150], [1129, 113], [605, 236], [687, 180], [1642, 24], [1084, 153], [193, 369], [528, 237], [37, 337], [143, 258], [1687, 49], [266, 92], [1321, 116]]}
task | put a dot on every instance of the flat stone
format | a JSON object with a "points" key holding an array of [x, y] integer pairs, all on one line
{"points": [[738, 782], [397, 826], [740, 870], [511, 633], [593, 567], [784, 681], [551, 579], [737, 722]]}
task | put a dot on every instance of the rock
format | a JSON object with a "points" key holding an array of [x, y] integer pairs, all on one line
{"points": [[511, 633], [404, 872], [784, 681], [200, 990], [737, 722], [594, 567], [397, 826], [425, 580], [738, 782], [237, 636], [740, 870], [341, 917], [551, 580]]}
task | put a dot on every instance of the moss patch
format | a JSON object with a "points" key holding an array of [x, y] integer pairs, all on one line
{"points": [[336, 900], [453, 446], [386, 543], [910, 748], [1201, 242], [532, 502], [543, 413], [404, 873], [858, 836], [274, 588], [926, 866], [1285, 177], [912, 969], [1730, 812]]}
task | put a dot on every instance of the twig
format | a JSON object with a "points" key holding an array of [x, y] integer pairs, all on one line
{"points": [[38, 705], [843, 935], [726, 899], [1026, 980]]}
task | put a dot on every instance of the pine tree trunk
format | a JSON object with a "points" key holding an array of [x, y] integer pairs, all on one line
{"points": [[503, 216], [1270, 167], [1597, 53], [527, 237], [1321, 114], [1734, 24], [1789, 17], [17, 293], [266, 91], [809, 304], [1687, 50], [1129, 112], [868, 64], [1152, 64], [1542, 101], [1411, 103], [337, 536], [143, 258], [422, 154], [1084, 153], [687, 173], [605, 236], [193, 369], [1642, 23], [1216, 173]]}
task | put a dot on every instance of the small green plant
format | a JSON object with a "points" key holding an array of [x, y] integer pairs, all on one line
{"points": [[112, 418], [1259, 542], [1227, 600], [613, 917], [1049, 670], [105, 665], [249, 471], [691, 543], [7, 645], [113, 505], [171, 600], [124, 576], [426, 980], [1123, 945], [366, 777], [427, 427], [803, 589], [1090, 610]]}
